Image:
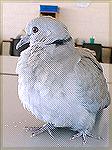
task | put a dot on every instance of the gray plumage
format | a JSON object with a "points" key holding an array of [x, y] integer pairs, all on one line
{"points": [[59, 83]]}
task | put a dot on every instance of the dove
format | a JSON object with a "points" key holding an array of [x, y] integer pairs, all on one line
{"points": [[60, 84]]}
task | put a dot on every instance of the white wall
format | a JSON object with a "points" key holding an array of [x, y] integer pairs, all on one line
{"points": [[82, 22], [110, 24]]}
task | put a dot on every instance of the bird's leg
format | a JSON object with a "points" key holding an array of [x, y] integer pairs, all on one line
{"points": [[84, 136], [36, 130]]}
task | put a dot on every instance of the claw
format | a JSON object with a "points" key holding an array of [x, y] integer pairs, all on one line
{"points": [[33, 135], [76, 136], [49, 131], [31, 128], [79, 135], [38, 130], [84, 135], [84, 138], [94, 136]]}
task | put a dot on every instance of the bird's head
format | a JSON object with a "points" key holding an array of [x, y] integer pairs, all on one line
{"points": [[45, 30]]}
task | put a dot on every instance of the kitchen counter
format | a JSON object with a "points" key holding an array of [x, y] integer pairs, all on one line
{"points": [[15, 118], [8, 64]]}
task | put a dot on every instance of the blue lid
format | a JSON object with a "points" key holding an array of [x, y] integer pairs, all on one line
{"points": [[49, 8]]}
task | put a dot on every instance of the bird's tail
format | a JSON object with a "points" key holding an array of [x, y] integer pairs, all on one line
{"points": [[96, 127]]}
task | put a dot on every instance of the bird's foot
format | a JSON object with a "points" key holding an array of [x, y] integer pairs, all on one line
{"points": [[38, 130], [84, 136]]}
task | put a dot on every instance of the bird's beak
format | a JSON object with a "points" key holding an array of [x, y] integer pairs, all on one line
{"points": [[24, 40]]}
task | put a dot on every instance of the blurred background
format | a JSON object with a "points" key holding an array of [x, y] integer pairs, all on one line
{"points": [[84, 20]]}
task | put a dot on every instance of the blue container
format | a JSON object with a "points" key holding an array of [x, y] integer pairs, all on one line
{"points": [[49, 8]]}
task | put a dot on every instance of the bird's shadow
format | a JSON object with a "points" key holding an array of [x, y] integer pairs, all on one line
{"points": [[59, 131]]}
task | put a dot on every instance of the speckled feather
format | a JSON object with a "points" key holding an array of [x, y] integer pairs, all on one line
{"points": [[60, 84]]}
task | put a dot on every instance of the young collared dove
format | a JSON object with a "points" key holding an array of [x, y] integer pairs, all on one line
{"points": [[59, 83]]}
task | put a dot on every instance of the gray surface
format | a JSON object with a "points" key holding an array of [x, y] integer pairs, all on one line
{"points": [[15, 136]]}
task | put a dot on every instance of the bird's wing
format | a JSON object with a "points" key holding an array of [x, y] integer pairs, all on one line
{"points": [[96, 86], [87, 83]]}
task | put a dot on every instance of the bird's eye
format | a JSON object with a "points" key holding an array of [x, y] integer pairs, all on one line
{"points": [[35, 29]]}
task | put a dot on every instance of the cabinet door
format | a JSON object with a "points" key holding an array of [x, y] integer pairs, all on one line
{"points": [[12, 106], [10, 100], [14, 117]]}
